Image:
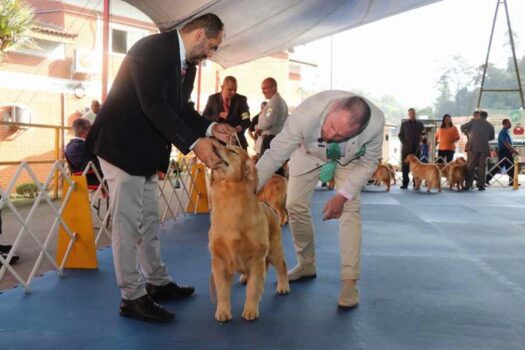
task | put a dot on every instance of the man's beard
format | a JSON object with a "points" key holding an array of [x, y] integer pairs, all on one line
{"points": [[197, 54], [197, 59]]}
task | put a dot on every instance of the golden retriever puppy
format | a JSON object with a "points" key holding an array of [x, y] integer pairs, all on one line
{"points": [[393, 171], [446, 167], [382, 175], [457, 177], [274, 194], [430, 173], [245, 234]]}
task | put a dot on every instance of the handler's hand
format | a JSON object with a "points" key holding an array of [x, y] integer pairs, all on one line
{"points": [[223, 132], [204, 150], [334, 207]]}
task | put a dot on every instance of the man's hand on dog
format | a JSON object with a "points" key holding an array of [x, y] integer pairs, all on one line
{"points": [[204, 150], [334, 207], [223, 132]]}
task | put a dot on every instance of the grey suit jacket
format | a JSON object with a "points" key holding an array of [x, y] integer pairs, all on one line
{"points": [[299, 142], [271, 119], [480, 132]]}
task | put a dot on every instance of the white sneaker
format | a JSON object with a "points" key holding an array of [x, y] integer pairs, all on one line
{"points": [[349, 296], [301, 272]]}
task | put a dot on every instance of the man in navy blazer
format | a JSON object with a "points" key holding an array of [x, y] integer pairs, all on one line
{"points": [[148, 110], [229, 107]]}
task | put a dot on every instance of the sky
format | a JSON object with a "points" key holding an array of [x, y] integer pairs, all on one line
{"points": [[403, 55]]}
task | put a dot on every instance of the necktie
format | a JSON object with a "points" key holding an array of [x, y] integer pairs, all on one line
{"points": [[184, 68], [333, 152], [226, 105]]}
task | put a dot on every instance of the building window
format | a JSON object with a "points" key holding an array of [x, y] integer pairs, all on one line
{"points": [[123, 40], [119, 41]]}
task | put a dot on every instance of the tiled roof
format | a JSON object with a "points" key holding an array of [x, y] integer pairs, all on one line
{"points": [[42, 28]]}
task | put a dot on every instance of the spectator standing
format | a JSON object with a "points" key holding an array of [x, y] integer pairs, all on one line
{"points": [[93, 111], [229, 107], [480, 132], [272, 117], [446, 137], [410, 137], [506, 152], [255, 121]]}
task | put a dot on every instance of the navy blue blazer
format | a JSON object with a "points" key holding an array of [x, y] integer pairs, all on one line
{"points": [[148, 109]]}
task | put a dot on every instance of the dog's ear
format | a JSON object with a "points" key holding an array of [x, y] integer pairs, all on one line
{"points": [[250, 173]]}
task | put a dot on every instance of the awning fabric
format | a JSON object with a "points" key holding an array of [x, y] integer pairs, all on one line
{"points": [[257, 28]]}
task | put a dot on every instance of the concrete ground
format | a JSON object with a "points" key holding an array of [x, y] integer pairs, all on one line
{"points": [[438, 271]]}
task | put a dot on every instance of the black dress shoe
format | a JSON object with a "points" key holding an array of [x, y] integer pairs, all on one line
{"points": [[481, 188], [404, 187], [145, 309], [169, 291], [14, 258], [5, 248]]}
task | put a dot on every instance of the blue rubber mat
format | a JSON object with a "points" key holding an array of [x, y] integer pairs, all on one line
{"points": [[439, 271]]}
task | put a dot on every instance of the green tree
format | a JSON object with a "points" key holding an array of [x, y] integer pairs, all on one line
{"points": [[16, 18], [444, 103]]}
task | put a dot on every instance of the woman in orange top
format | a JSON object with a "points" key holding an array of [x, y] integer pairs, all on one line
{"points": [[446, 136]]}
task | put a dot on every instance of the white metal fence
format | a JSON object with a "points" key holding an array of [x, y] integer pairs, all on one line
{"points": [[494, 168], [175, 191]]}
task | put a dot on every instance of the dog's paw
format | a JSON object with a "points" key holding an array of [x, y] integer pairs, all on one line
{"points": [[250, 314], [243, 279], [283, 288], [223, 315]]}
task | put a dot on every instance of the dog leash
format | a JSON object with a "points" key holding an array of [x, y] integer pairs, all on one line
{"points": [[234, 141]]}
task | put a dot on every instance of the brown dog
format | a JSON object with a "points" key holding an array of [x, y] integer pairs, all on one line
{"points": [[456, 174], [382, 175], [456, 177], [428, 172], [245, 235], [392, 172], [274, 194]]}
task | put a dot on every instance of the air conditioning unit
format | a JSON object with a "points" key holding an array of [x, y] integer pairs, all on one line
{"points": [[86, 61], [15, 113]]}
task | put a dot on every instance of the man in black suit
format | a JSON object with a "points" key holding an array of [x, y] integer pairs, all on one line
{"points": [[229, 107], [147, 110], [410, 137]]}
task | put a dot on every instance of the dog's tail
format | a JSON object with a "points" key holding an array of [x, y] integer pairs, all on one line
{"points": [[213, 292]]}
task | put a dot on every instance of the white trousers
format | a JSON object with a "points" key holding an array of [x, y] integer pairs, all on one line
{"points": [[135, 231], [298, 203]]}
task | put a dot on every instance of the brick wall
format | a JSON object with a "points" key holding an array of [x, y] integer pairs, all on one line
{"points": [[47, 107]]}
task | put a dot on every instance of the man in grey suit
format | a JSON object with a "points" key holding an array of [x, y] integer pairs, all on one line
{"points": [[272, 117], [480, 132], [337, 131]]}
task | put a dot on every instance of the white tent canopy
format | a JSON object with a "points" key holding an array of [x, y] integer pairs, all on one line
{"points": [[256, 28]]}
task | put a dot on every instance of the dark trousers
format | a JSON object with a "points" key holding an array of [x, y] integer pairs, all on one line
{"points": [[479, 160], [446, 155], [507, 161], [266, 145], [405, 167]]}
